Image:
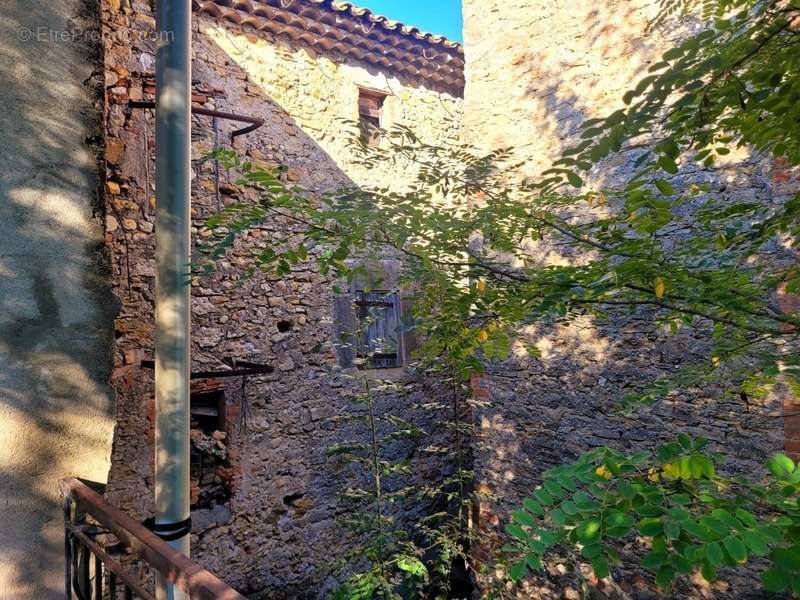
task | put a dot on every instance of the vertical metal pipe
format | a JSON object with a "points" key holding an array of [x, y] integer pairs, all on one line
{"points": [[173, 139]]}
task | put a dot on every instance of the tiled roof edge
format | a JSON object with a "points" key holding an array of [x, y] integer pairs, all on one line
{"points": [[352, 32], [389, 24]]}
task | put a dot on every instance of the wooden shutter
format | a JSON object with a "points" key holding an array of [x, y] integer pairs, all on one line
{"points": [[370, 111], [379, 321], [409, 336], [345, 330], [370, 103]]}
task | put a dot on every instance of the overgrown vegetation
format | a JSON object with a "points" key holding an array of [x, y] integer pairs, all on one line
{"points": [[667, 239], [396, 559]]}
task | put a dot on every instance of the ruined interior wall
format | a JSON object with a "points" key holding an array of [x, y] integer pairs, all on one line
{"points": [[56, 306], [279, 534], [535, 70]]}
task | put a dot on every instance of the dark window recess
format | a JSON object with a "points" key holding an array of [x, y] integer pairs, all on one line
{"points": [[209, 459], [208, 411], [370, 111], [379, 338]]}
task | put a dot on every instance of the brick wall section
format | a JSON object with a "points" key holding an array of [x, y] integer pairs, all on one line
{"points": [[284, 527], [554, 64], [790, 303], [791, 427]]}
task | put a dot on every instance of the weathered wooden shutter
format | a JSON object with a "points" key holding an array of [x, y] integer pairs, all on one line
{"points": [[345, 330], [370, 111], [379, 319], [409, 335]]}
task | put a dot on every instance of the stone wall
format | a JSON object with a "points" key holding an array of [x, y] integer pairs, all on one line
{"points": [[56, 306], [554, 64], [278, 534]]}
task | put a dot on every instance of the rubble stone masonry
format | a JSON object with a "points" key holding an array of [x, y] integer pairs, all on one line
{"points": [[535, 70], [275, 531]]}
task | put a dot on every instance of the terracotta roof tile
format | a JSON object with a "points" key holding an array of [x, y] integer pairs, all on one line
{"points": [[350, 31]]}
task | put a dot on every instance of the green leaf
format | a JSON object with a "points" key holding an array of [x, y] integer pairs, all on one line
{"points": [[775, 581], [600, 567], [543, 497], [665, 576], [523, 518], [533, 562], [781, 466], [516, 531], [533, 507], [755, 543], [554, 489], [650, 527], [558, 517], [517, 571], [736, 548], [568, 507], [665, 188], [746, 517], [715, 554], [787, 558], [668, 164], [618, 519], [653, 561], [682, 564], [672, 530], [709, 572], [715, 525], [589, 531], [592, 550], [412, 565]]}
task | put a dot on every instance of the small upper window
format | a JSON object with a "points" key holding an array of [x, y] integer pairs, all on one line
{"points": [[370, 112]]}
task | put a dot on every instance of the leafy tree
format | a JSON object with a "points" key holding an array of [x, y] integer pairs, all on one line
{"points": [[393, 559], [664, 239]]}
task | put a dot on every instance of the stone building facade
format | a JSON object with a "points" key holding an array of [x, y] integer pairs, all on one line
{"points": [[268, 391], [555, 64], [265, 494]]}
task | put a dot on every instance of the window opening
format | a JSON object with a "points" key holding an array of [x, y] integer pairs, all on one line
{"points": [[379, 321], [370, 111]]}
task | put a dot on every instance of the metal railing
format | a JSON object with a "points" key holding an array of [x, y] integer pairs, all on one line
{"points": [[108, 555]]}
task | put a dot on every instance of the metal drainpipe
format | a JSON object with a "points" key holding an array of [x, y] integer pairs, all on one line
{"points": [[173, 152]]}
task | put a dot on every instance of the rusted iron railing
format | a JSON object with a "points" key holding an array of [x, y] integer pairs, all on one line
{"points": [[108, 555]]}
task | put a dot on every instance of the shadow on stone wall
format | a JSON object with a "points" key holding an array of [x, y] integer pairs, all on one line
{"points": [[560, 63], [56, 309]]}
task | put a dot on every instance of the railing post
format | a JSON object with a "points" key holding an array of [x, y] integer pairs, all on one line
{"points": [[173, 139], [67, 548]]}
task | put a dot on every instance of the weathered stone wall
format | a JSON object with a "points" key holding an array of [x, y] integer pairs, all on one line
{"points": [[554, 64], [278, 535], [56, 306]]}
